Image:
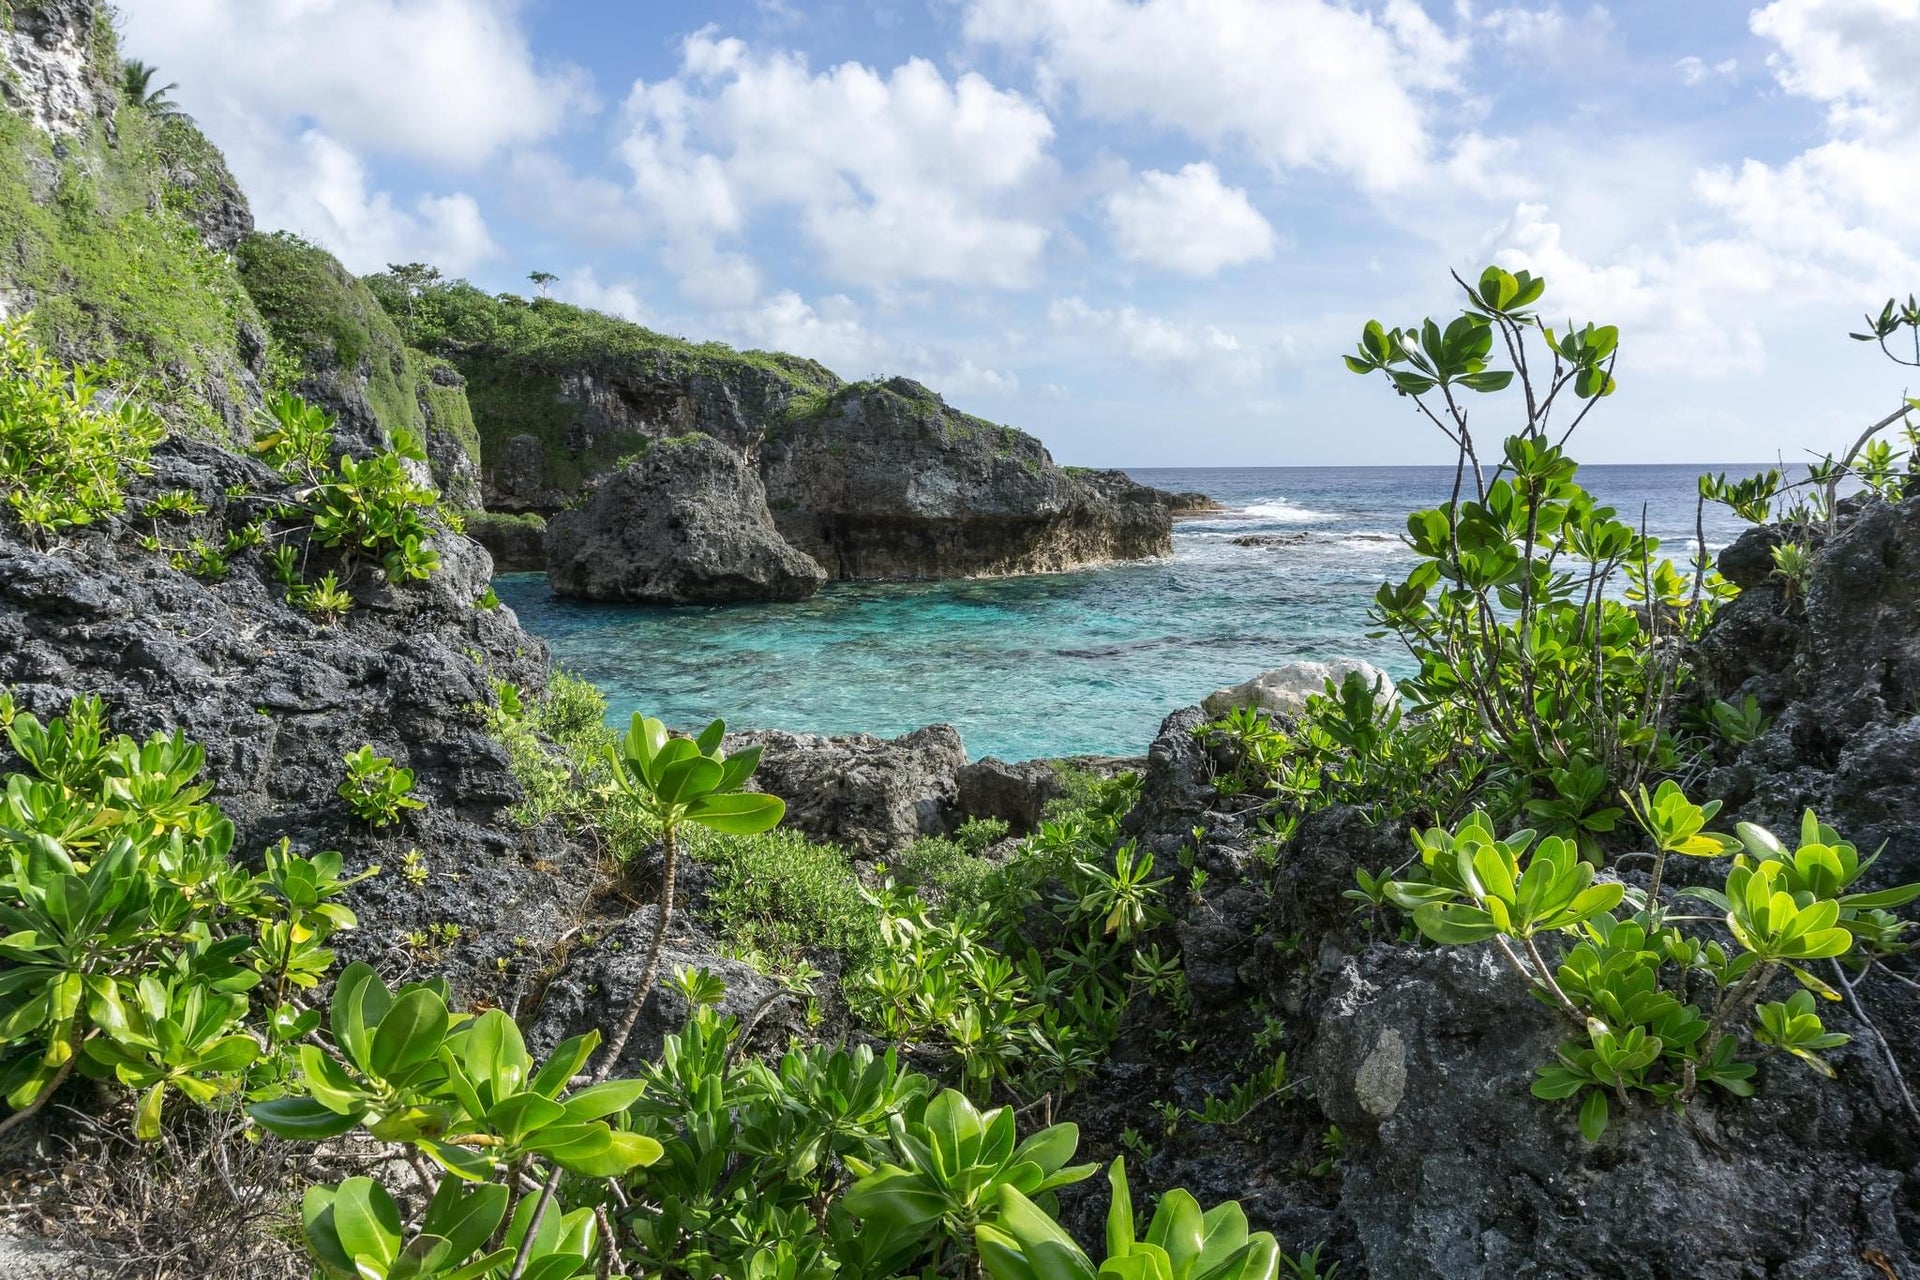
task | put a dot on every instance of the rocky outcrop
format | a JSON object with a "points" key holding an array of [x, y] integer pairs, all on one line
{"points": [[1420, 1060], [1838, 673], [686, 523], [873, 480], [874, 795], [57, 78], [205, 189], [885, 480], [1016, 793], [1284, 690], [1454, 1172], [518, 544], [278, 699]]}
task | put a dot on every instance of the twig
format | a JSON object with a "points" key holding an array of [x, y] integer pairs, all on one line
{"points": [[1886, 1050]]}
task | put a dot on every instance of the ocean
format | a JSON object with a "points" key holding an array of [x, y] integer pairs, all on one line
{"points": [[1061, 664]]}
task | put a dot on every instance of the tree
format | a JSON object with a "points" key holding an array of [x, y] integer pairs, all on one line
{"points": [[543, 281], [136, 88], [414, 279]]}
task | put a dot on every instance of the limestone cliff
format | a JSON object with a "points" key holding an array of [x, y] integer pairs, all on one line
{"points": [[870, 480], [886, 480]]}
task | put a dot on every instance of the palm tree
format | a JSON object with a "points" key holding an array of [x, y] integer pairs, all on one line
{"points": [[136, 86]]}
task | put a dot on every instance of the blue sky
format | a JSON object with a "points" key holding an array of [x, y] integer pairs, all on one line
{"points": [[1143, 229]]}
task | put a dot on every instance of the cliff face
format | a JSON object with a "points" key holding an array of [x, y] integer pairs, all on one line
{"points": [[126, 236], [874, 480]]}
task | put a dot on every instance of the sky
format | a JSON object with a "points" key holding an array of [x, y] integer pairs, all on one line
{"points": [[1145, 230]]}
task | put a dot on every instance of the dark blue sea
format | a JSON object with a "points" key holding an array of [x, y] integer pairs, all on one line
{"points": [[1068, 663]]}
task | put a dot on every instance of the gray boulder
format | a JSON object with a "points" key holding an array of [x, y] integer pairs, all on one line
{"points": [[1284, 691], [686, 523], [874, 795], [886, 480], [1017, 793], [1453, 1171]]}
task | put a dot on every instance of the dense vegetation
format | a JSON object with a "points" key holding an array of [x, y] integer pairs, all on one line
{"points": [[114, 269], [981, 980]]}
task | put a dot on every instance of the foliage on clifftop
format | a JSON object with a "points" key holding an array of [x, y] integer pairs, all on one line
{"points": [[324, 320], [526, 363]]}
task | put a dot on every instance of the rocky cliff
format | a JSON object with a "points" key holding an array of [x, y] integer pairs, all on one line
{"points": [[869, 480], [886, 480]]}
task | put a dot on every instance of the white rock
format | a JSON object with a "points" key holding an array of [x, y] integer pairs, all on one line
{"points": [[1285, 690]]}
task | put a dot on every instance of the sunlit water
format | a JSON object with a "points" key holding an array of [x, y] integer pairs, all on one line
{"points": [[1067, 663]]}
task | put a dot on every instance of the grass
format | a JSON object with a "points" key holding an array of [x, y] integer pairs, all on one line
{"points": [[778, 897], [523, 359], [326, 318], [115, 273], [774, 898]]}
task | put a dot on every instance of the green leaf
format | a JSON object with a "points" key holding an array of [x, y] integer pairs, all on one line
{"points": [[408, 1035], [301, 1119], [1593, 1115], [745, 813]]}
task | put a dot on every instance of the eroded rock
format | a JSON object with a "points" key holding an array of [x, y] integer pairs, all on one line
{"points": [[687, 523]]}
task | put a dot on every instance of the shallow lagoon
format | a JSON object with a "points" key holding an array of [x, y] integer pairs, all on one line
{"points": [[1066, 663]]}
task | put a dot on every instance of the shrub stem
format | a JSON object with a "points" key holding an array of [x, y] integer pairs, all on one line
{"points": [[622, 1033]]}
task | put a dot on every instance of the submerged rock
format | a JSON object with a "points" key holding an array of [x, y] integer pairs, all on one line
{"points": [[1284, 690], [874, 795], [685, 524]]}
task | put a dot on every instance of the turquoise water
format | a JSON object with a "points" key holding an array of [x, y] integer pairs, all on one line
{"points": [[1067, 663]]}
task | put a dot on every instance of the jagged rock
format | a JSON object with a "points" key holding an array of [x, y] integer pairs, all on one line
{"points": [[1453, 1171], [207, 192], [47, 44], [1192, 504], [278, 700], [596, 981], [1284, 690], [874, 795], [1016, 793], [887, 481], [687, 523], [1839, 672], [453, 445], [1176, 788]]}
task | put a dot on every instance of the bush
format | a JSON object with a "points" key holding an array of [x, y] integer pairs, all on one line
{"points": [[1627, 983], [65, 447], [132, 938], [778, 896]]}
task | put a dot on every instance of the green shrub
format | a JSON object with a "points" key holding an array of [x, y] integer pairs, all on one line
{"points": [[65, 447], [132, 940], [377, 791], [779, 896], [1627, 984]]}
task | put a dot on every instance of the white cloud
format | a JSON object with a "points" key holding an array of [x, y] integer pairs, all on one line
{"points": [[1189, 222], [319, 189], [591, 210], [1293, 82], [835, 334], [894, 178], [1695, 71], [584, 288], [448, 81], [1856, 56], [1196, 352]]}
